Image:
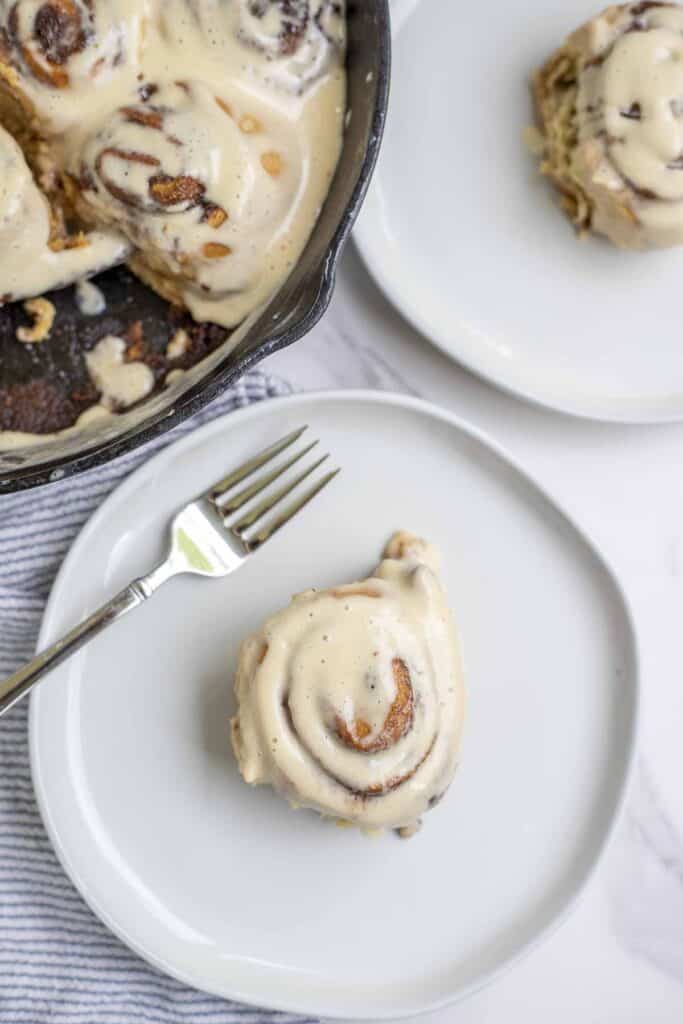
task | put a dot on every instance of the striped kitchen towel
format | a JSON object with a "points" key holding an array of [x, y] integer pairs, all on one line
{"points": [[58, 964]]}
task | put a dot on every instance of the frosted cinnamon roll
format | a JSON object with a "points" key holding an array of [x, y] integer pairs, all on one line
{"points": [[610, 103], [202, 187], [350, 701], [58, 56], [36, 253], [292, 42]]}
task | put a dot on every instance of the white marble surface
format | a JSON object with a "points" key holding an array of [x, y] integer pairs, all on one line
{"points": [[620, 956]]}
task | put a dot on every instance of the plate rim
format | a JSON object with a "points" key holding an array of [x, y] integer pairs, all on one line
{"points": [[368, 237], [472, 432]]}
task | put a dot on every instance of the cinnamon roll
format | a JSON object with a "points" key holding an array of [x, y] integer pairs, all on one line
{"points": [[610, 103], [61, 57], [350, 701], [37, 252], [202, 188], [292, 42]]}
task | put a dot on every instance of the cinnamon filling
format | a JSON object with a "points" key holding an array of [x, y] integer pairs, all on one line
{"points": [[397, 723]]}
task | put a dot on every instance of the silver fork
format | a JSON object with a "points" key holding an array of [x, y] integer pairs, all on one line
{"points": [[212, 536]]}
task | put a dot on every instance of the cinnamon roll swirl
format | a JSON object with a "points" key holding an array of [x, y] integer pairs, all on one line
{"points": [[55, 53], [292, 42], [350, 701], [610, 103], [37, 253]]}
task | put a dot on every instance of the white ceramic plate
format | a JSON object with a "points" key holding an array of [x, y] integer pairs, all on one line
{"points": [[228, 889], [468, 240]]}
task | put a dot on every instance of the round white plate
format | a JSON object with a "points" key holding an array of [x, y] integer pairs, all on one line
{"points": [[468, 241], [224, 886]]}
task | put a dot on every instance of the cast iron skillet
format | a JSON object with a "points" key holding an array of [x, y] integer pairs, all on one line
{"points": [[44, 387]]}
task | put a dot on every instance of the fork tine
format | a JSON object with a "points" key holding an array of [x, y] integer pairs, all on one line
{"points": [[271, 500], [247, 493], [267, 531], [249, 467]]}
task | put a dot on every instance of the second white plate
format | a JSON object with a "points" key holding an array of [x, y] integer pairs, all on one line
{"points": [[224, 886], [468, 241]]}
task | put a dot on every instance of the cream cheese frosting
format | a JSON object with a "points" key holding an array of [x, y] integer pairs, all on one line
{"points": [[350, 701]]}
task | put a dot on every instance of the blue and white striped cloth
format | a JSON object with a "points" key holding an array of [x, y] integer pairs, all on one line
{"points": [[58, 964]]}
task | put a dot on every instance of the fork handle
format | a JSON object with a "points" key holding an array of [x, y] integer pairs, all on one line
{"points": [[25, 678]]}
